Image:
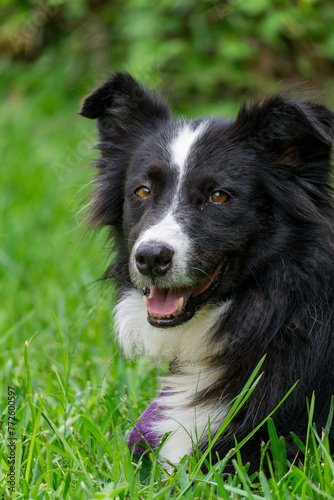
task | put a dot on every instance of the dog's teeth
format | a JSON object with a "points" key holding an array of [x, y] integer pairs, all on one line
{"points": [[145, 300], [156, 315], [162, 316], [181, 302]]}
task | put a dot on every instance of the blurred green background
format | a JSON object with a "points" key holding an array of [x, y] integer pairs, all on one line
{"points": [[206, 57]]}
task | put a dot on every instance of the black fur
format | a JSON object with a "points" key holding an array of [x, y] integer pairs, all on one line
{"points": [[278, 235]]}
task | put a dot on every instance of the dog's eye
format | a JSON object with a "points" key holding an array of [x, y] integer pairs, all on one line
{"points": [[143, 192], [219, 197]]}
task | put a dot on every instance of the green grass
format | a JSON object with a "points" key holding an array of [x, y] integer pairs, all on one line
{"points": [[76, 396]]}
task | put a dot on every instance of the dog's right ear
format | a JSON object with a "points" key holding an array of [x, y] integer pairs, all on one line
{"points": [[123, 107], [125, 112]]}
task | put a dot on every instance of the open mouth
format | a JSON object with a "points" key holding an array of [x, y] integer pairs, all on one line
{"points": [[168, 307]]}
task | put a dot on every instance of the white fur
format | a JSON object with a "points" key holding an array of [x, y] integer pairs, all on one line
{"points": [[168, 231], [188, 343], [188, 422], [182, 144]]}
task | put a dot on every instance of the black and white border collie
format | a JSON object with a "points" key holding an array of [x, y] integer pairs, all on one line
{"points": [[223, 237]]}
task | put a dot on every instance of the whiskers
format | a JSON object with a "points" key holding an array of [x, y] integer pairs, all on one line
{"points": [[201, 271]]}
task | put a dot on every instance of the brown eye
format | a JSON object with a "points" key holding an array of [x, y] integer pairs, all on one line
{"points": [[143, 192], [219, 197]]}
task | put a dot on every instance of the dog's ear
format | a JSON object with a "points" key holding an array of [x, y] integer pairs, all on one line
{"points": [[125, 112], [293, 133], [123, 107]]}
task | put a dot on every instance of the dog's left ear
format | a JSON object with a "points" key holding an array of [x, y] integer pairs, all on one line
{"points": [[294, 133], [122, 106]]}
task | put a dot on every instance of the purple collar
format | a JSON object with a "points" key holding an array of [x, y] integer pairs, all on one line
{"points": [[144, 432]]}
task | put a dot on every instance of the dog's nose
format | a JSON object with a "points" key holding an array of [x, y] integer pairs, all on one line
{"points": [[154, 259]]}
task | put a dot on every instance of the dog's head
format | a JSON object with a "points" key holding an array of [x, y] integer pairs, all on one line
{"points": [[197, 206]]}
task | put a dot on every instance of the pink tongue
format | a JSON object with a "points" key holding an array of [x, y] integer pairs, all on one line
{"points": [[166, 302]]}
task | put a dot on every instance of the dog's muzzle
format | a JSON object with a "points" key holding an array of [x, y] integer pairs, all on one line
{"points": [[169, 306], [154, 259]]}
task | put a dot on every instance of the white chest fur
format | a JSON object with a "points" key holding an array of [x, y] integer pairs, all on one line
{"points": [[192, 347], [187, 420], [188, 343]]}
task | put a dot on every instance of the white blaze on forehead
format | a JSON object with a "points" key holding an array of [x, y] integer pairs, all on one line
{"points": [[168, 230], [182, 144]]}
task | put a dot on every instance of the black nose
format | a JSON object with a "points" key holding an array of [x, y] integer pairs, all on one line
{"points": [[154, 259]]}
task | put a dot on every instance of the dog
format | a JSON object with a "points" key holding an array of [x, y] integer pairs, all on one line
{"points": [[223, 237]]}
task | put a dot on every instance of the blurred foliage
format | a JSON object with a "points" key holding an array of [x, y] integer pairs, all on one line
{"points": [[215, 53]]}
